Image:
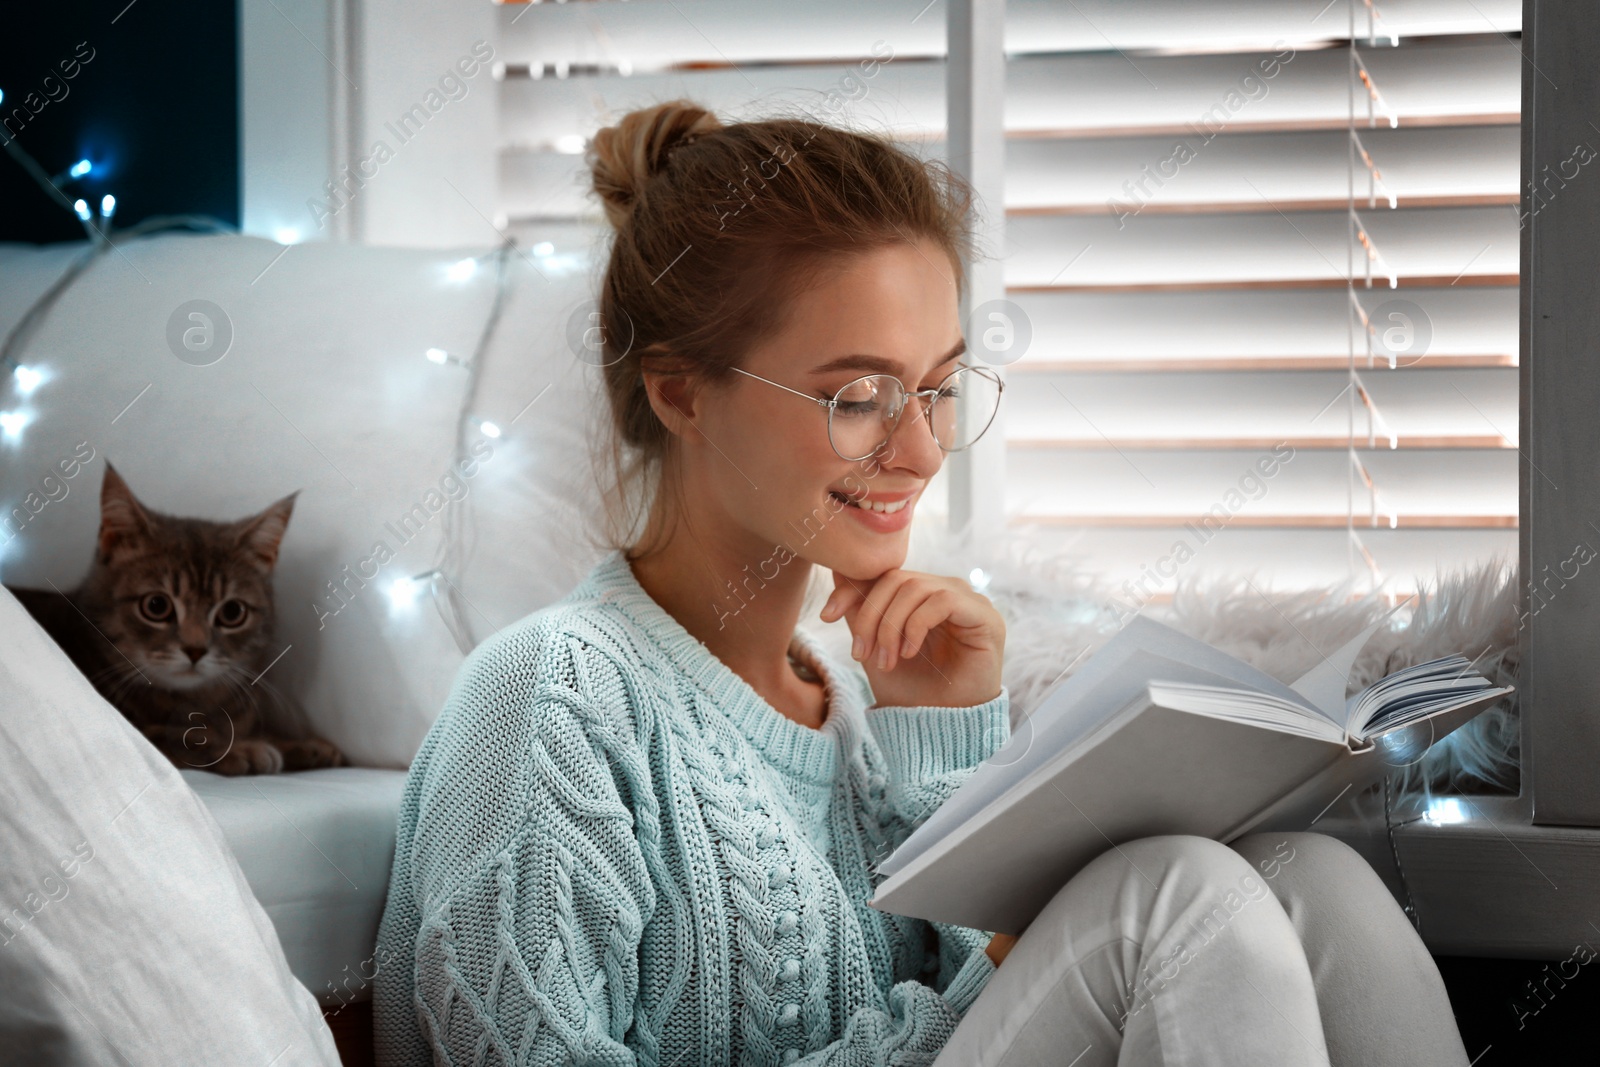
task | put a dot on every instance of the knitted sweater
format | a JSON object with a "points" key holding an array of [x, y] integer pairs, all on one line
{"points": [[612, 850]]}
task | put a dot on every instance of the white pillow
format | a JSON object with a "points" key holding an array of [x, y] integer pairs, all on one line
{"points": [[324, 389], [535, 508], [126, 921]]}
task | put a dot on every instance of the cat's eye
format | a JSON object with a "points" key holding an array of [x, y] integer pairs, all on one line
{"points": [[232, 613], [156, 607]]}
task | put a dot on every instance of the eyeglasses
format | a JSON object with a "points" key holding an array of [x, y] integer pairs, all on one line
{"points": [[863, 415]]}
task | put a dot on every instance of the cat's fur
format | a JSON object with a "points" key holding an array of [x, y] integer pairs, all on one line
{"points": [[150, 628]]}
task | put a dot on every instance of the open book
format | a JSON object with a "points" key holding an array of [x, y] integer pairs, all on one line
{"points": [[1159, 733]]}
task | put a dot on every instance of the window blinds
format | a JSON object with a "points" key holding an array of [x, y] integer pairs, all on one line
{"points": [[1190, 188]]}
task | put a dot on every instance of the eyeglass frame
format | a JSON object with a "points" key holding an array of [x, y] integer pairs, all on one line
{"points": [[927, 409]]}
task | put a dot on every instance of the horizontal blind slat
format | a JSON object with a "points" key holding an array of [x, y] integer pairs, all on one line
{"points": [[737, 31], [1472, 83]]}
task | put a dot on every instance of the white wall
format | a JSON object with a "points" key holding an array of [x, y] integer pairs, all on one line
{"points": [[325, 90], [286, 112], [439, 189]]}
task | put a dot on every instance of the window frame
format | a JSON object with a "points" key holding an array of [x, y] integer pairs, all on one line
{"points": [[1559, 491]]}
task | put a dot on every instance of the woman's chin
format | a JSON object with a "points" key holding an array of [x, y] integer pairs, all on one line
{"points": [[867, 563]]}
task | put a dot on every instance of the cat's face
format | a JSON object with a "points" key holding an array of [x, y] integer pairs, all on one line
{"points": [[185, 631], [187, 602]]}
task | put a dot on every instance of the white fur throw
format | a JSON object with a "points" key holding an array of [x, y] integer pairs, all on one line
{"points": [[1058, 612]]}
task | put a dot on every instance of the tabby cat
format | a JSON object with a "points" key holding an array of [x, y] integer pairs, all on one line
{"points": [[173, 625]]}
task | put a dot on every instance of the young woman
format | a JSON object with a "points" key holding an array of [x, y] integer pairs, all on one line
{"points": [[644, 828]]}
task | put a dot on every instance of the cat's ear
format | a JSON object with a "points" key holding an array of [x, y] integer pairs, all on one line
{"points": [[122, 518], [261, 534]]}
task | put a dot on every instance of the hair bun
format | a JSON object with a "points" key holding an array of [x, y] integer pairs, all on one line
{"points": [[623, 157]]}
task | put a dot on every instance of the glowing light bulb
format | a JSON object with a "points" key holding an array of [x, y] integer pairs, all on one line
{"points": [[462, 270], [437, 355], [489, 429], [979, 579], [1443, 811], [108, 206], [80, 168], [82, 208], [286, 235], [544, 248], [403, 593], [28, 379], [570, 144], [12, 422]]}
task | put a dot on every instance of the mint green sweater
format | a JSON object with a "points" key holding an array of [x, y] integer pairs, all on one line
{"points": [[612, 850]]}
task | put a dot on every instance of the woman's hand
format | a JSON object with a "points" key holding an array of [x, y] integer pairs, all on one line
{"points": [[924, 639], [999, 947]]}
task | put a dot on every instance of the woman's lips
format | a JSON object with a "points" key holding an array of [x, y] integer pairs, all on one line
{"points": [[881, 521]]}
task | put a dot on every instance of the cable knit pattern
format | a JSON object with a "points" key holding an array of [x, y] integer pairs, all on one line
{"points": [[612, 850]]}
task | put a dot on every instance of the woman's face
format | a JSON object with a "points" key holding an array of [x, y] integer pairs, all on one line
{"points": [[778, 480]]}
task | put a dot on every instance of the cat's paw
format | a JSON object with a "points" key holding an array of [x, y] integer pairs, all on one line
{"points": [[250, 757], [310, 753]]}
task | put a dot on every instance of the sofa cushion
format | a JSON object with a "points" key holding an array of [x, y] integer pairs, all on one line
{"points": [[316, 848], [324, 387], [126, 924]]}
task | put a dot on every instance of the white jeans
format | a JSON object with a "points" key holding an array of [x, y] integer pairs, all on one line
{"points": [[1281, 949]]}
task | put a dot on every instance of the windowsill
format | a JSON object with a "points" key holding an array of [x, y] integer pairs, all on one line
{"points": [[1491, 884]]}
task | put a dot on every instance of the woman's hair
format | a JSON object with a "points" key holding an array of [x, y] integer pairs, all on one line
{"points": [[717, 228]]}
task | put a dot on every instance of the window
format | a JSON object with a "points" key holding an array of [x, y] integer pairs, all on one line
{"points": [[1186, 197]]}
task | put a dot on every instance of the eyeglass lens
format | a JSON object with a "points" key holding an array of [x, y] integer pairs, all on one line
{"points": [[866, 412]]}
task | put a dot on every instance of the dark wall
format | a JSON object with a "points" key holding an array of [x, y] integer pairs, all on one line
{"points": [[155, 107]]}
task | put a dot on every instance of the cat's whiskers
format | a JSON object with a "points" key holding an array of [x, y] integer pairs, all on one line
{"points": [[113, 679], [174, 667], [99, 673], [233, 676], [118, 688], [289, 715], [279, 713], [262, 684]]}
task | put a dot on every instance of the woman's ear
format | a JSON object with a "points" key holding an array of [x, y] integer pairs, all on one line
{"points": [[675, 397]]}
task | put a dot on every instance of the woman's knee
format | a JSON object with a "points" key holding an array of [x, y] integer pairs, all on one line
{"points": [[1195, 863], [1304, 855], [1167, 891]]}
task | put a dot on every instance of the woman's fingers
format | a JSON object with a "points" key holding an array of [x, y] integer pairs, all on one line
{"points": [[867, 623], [890, 617], [925, 600], [846, 593], [935, 609], [918, 605]]}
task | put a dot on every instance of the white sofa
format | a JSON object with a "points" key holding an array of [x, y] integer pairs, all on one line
{"points": [[324, 387]]}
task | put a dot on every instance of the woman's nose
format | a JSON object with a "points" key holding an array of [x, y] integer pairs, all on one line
{"points": [[912, 442]]}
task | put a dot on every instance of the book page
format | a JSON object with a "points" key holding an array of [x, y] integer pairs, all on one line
{"points": [[1413, 693], [1325, 684], [1245, 706]]}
